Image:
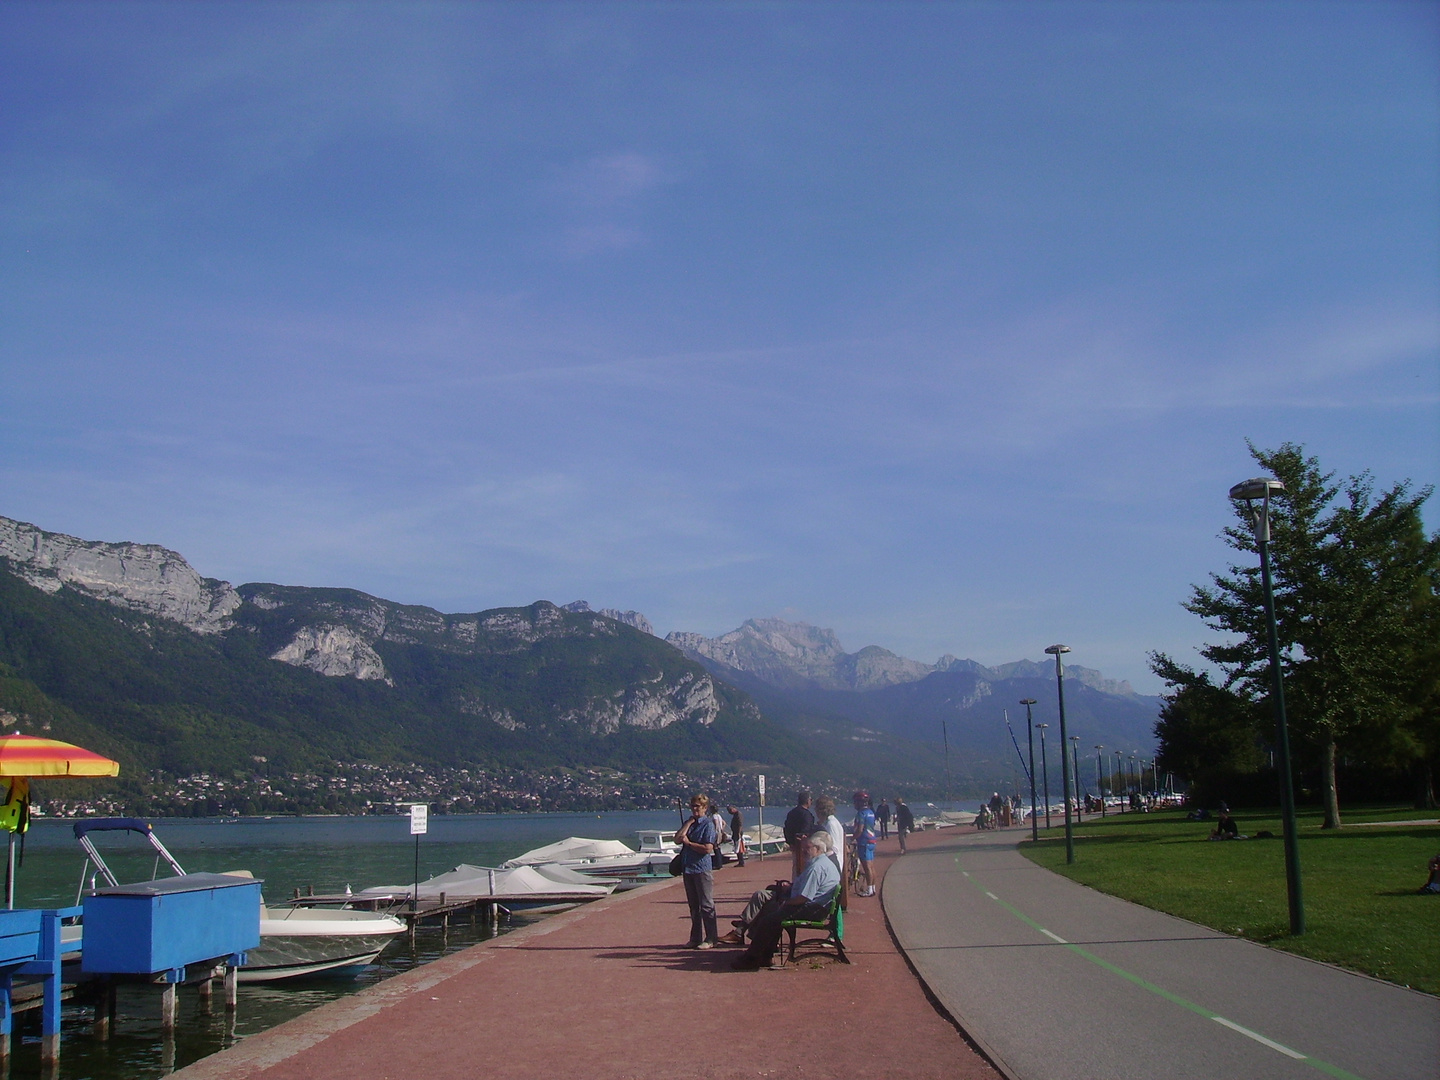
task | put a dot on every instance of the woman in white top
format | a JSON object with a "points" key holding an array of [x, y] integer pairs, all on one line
{"points": [[825, 811]]}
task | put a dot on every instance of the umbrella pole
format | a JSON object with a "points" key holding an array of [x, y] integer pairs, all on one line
{"points": [[10, 872]]}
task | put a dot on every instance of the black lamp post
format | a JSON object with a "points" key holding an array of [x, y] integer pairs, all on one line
{"points": [[1057, 651], [1030, 727], [1250, 492], [1100, 775], [1115, 779], [1045, 771], [1075, 765]]}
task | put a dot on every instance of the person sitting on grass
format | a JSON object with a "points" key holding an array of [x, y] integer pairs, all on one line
{"points": [[1226, 829], [1433, 885], [807, 897]]}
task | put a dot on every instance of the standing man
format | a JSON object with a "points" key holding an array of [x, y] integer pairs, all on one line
{"points": [[799, 824], [737, 833], [882, 815], [904, 821], [865, 836]]}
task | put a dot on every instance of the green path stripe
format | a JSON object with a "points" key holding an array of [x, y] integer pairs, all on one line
{"points": [[1160, 991]]}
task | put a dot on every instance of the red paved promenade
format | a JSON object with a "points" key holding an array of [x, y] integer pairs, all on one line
{"points": [[610, 991]]}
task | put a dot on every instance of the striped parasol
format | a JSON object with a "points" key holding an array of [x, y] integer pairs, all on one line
{"points": [[31, 756], [25, 757]]}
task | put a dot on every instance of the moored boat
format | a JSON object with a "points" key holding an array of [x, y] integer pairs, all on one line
{"points": [[292, 942], [517, 888], [605, 858]]}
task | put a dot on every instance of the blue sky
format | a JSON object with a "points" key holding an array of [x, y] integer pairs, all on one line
{"points": [[943, 325]]}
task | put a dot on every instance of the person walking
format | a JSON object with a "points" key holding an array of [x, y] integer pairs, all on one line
{"points": [[882, 815], [697, 841], [904, 822], [799, 824], [737, 834]]}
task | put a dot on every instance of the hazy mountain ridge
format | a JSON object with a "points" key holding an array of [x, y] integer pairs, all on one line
{"points": [[799, 656], [802, 671]]}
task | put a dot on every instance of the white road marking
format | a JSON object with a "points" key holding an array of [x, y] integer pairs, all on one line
{"points": [[1054, 937], [1261, 1039], [991, 895]]}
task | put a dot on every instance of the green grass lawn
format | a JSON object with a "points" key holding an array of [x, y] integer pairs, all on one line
{"points": [[1362, 907]]}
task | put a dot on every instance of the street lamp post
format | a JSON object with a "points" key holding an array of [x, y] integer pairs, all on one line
{"points": [[1030, 727], [1099, 775], [1115, 778], [1251, 491], [1075, 766], [1045, 771], [1057, 651]]}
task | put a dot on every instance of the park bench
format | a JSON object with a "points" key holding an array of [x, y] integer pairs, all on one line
{"points": [[833, 924]]}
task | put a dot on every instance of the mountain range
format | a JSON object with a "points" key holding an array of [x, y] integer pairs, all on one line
{"points": [[127, 648]]}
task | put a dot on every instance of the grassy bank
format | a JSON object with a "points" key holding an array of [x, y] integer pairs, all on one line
{"points": [[1362, 908]]}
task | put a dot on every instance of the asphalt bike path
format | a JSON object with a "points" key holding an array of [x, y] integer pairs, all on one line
{"points": [[1055, 981]]}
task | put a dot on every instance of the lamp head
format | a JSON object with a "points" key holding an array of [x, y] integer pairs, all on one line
{"points": [[1027, 701], [1261, 487], [1056, 650], [1249, 492], [1042, 727]]}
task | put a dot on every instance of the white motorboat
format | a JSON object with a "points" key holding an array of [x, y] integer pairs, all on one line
{"points": [[535, 889], [770, 840], [293, 942], [606, 858]]}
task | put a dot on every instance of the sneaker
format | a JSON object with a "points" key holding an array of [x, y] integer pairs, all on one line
{"points": [[706, 945]]}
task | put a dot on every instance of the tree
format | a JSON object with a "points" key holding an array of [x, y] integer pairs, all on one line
{"points": [[1355, 580], [1208, 734]]}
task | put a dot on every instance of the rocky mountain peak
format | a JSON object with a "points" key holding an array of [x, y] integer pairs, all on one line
{"points": [[142, 577], [629, 618]]}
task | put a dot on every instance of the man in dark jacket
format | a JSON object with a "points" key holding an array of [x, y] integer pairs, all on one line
{"points": [[737, 833], [799, 824], [904, 822]]}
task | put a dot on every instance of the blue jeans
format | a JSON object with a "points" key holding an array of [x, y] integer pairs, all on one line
{"points": [[700, 895]]}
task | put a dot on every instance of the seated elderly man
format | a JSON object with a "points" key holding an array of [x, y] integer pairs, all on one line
{"points": [[807, 897]]}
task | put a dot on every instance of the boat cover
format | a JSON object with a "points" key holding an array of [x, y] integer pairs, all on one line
{"points": [[572, 849], [482, 881]]}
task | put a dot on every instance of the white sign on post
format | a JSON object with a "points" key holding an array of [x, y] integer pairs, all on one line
{"points": [[419, 819], [762, 783]]}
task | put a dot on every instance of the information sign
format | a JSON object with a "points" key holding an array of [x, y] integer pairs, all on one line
{"points": [[419, 819]]}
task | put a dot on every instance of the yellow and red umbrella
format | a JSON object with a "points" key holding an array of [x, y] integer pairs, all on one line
{"points": [[24, 757], [30, 756]]}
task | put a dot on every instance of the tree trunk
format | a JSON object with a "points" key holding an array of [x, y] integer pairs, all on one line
{"points": [[1425, 789], [1332, 794]]}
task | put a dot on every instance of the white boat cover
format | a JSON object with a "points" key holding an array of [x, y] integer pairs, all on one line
{"points": [[573, 849], [774, 834], [467, 881]]}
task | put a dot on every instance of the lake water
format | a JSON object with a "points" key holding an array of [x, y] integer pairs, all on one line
{"points": [[325, 853]]}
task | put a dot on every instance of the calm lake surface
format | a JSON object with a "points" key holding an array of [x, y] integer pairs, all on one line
{"points": [[325, 853]]}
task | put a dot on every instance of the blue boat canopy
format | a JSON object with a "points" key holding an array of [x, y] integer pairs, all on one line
{"points": [[111, 824]]}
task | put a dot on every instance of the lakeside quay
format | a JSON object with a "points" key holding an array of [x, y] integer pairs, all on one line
{"points": [[610, 991]]}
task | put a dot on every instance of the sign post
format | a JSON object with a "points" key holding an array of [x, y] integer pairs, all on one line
{"points": [[419, 826], [760, 820]]}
